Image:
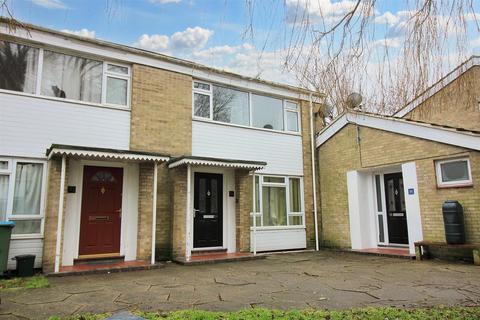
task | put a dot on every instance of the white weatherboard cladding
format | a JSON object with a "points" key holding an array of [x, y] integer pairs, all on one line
{"points": [[280, 239], [282, 152], [29, 125], [25, 246]]}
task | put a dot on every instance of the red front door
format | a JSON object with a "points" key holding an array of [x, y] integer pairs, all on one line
{"points": [[101, 210]]}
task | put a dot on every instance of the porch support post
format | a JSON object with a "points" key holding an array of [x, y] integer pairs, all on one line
{"points": [[58, 245], [254, 215], [188, 232], [154, 210]]}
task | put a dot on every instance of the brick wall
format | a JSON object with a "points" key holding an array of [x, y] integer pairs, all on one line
{"points": [[243, 207], [161, 122], [179, 206], [145, 194], [307, 175], [378, 148], [51, 213], [455, 105]]}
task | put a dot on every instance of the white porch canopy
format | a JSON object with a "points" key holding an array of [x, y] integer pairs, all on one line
{"points": [[216, 162], [65, 151]]}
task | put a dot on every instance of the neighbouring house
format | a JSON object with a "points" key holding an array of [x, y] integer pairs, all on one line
{"points": [[383, 179], [113, 152]]}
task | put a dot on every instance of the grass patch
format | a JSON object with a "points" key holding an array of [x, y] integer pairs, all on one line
{"points": [[27, 283], [469, 313]]}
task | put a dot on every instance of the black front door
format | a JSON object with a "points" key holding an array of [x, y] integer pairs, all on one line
{"points": [[396, 212], [208, 210]]}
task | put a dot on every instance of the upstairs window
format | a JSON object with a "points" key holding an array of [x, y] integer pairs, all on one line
{"points": [[18, 67], [229, 105], [453, 172], [52, 74], [71, 77]]}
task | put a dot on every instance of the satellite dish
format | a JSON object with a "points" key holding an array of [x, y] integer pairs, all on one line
{"points": [[354, 100]]}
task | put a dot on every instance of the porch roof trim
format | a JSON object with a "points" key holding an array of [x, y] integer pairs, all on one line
{"points": [[216, 162], [104, 153]]}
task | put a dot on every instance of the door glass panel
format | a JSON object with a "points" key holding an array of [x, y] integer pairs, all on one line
{"points": [[214, 197], [391, 195], [202, 193], [378, 192], [381, 232], [401, 194]]}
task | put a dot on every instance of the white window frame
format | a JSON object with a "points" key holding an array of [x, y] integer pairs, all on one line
{"points": [[111, 74], [38, 82], [286, 185], [208, 93], [451, 184], [287, 109], [250, 108], [11, 172]]}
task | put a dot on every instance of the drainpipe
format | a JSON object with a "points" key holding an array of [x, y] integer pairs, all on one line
{"points": [[154, 210], [58, 245], [254, 217], [314, 179]]}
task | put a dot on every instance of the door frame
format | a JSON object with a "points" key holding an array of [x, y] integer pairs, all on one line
{"points": [[74, 208], [228, 219], [386, 242]]}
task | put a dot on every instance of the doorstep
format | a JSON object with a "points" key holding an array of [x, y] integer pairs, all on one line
{"points": [[210, 258], [112, 267], [386, 252]]}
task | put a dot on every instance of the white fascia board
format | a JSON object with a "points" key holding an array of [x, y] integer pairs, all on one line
{"points": [[399, 126], [112, 54], [331, 130], [473, 61], [107, 155]]}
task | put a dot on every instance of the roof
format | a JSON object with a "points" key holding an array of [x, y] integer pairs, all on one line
{"points": [[159, 56], [216, 162], [104, 153], [439, 85], [424, 130]]}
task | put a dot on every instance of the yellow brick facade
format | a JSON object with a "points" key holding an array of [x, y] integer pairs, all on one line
{"points": [[457, 104], [360, 148]]}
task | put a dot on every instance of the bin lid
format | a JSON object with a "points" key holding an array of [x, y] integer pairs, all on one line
{"points": [[24, 257], [8, 224]]}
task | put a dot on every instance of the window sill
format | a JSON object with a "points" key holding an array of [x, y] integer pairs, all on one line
{"points": [[83, 103], [246, 127], [279, 228], [459, 185]]}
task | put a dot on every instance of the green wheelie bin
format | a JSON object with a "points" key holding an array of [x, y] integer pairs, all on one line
{"points": [[5, 233]]}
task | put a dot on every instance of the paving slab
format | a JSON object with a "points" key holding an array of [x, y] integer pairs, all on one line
{"points": [[301, 280]]}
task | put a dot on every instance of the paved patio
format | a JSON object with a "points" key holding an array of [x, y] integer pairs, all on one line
{"points": [[285, 281]]}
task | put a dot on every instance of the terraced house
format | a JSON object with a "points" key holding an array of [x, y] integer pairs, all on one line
{"points": [[111, 152]]}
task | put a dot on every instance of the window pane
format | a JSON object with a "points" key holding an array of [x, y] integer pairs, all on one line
{"points": [[292, 121], [379, 193], [202, 86], [291, 105], [18, 67], [117, 91], [117, 69], [201, 105], [27, 226], [28, 189], [454, 171], [274, 206], [230, 106], [295, 205], [3, 165], [267, 112], [274, 179], [295, 220], [70, 77], [3, 197], [258, 223]]}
